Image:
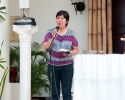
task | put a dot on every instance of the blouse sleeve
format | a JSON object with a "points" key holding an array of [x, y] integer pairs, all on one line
{"points": [[75, 41], [48, 35]]}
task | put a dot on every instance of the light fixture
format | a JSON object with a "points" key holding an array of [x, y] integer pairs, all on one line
{"points": [[74, 2], [79, 5]]}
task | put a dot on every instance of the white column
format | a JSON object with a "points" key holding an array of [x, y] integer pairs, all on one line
{"points": [[25, 34]]}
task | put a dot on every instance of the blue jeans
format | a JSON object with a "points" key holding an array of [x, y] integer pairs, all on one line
{"points": [[64, 75]]}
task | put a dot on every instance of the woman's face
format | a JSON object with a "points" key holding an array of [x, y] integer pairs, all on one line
{"points": [[61, 21]]}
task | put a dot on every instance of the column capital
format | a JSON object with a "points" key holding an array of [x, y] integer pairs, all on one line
{"points": [[25, 31]]}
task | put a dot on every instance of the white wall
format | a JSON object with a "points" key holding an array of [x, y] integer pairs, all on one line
{"points": [[44, 11]]}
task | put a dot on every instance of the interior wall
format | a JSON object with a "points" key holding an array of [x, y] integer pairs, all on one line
{"points": [[44, 12]]}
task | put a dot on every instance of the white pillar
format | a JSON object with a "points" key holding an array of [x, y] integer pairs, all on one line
{"points": [[25, 34], [5, 35]]}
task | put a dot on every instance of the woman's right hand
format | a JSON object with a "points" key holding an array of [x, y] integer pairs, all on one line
{"points": [[54, 33]]}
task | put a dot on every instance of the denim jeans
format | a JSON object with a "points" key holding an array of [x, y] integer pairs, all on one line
{"points": [[64, 75]]}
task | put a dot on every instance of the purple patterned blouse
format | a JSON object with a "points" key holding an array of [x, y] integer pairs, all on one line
{"points": [[66, 41]]}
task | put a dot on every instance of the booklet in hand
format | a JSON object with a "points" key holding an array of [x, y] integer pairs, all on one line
{"points": [[65, 51]]}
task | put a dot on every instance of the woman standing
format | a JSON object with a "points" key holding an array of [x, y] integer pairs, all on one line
{"points": [[61, 62]]}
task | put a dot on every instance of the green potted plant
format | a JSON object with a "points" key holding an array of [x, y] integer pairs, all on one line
{"points": [[14, 64], [5, 73], [39, 79], [1, 11]]}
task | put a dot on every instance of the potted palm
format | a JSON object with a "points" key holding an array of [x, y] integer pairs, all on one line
{"points": [[5, 73], [39, 79]]}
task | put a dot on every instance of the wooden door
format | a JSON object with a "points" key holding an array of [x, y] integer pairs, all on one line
{"points": [[118, 25]]}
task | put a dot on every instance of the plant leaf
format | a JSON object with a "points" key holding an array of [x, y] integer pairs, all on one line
{"points": [[3, 12], [2, 61], [0, 51], [1, 66], [1, 18], [1, 48], [2, 8], [2, 83]]}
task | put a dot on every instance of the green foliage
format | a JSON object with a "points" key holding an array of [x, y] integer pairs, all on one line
{"points": [[14, 63], [14, 56], [1, 12], [1, 59], [3, 80], [39, 79]]}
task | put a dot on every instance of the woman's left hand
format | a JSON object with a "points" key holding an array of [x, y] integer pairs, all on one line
{"points": [[67, 54]]}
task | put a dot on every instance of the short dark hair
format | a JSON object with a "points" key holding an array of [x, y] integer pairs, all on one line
{"points": [[64, 13]]}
